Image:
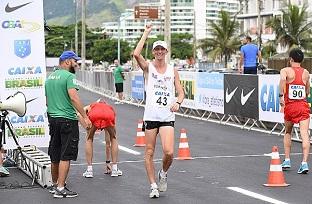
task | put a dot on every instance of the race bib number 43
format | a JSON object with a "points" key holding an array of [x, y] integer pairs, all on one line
{"points": [[161, 99], [296, 92]]}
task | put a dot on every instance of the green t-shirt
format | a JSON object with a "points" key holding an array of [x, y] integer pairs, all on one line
{"points": [[56, 90], [118, 74]]}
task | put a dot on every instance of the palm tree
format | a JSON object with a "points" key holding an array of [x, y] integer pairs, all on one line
{"points": [[292, 30], [224, 41]]}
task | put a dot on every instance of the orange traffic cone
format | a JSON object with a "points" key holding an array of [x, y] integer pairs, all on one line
{"points": [[140, 137], [276, 175], [184, 152]]}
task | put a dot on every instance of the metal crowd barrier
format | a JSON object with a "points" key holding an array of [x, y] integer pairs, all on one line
{"points": [[102, 83]]}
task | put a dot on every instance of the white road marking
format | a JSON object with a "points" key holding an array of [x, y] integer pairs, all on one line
{"points": [[129, 150], [126, 149], [194, 158], [256, 195]]}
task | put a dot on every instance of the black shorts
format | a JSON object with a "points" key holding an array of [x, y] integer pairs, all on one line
{"points": [[119, 87], [250, 70], [64, 139], [148, 125]]}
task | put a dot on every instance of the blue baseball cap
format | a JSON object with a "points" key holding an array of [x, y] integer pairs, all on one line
{"points": [[69, 55]]}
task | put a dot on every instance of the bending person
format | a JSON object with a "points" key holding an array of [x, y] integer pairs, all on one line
{"points": [[102, 117]]}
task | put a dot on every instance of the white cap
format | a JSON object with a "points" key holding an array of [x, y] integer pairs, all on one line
{"points": [[160, 43]]}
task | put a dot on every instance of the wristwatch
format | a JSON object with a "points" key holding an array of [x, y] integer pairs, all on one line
{"points": [[280, 95]]}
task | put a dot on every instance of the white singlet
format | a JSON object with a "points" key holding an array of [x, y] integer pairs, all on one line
{"points": [[160, 95]]}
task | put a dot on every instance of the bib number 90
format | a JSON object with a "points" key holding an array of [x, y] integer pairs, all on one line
{"points": [[297, 92]]}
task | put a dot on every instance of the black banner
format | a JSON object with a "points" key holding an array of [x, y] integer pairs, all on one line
{"points": [[241, 95]]}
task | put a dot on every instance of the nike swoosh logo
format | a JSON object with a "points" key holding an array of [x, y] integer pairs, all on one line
{"points": [[31, 100], [9, 9], [228, 96], [245, 98]]}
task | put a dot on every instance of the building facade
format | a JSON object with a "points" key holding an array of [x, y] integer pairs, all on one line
{"points": [[265, 9], [187, 16]]}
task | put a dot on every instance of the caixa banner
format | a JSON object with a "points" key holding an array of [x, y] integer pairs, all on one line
{"points": [[269, 107], [22, 62]]}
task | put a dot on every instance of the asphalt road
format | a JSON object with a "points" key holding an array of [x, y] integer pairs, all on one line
{"points": [[224, 157]]}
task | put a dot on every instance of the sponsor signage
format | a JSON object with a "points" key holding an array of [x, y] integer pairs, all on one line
{"points": [[210, 93], [18, 25], [241, 95], [22, 62], [137, 86], [269, 107], [187, 80]]}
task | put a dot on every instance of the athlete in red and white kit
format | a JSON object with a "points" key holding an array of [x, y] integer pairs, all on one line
{"points": [[294, 89], [102, 116]]}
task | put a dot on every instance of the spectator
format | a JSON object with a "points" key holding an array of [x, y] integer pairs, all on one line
{"points": [[119, 78], [62, 103], [248, 57]]}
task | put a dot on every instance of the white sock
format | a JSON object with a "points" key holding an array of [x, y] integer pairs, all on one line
{"points": [[89, 168], [154, 185], [163, 173], [60, 188], [304, 163], [114, 167], [287, 159]]}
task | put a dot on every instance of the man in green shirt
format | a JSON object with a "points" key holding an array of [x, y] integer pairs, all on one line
{"points": [[119, 78], [62, 102]]}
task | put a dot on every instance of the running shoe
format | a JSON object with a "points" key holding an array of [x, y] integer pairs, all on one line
{"points": [[116, 173], [154, 193], [65, 193], [88, 174], [162, 182], [303, 169], [52, 188], [4, 171], [286, 164]]}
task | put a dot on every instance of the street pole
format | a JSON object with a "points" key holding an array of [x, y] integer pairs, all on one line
{"points": [[194, 38], [76, 27], [259, 22], [167, 29], [83, 34], [118, 50]]}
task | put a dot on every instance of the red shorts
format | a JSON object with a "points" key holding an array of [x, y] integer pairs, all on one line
{"points": [[296, 112], [102, 115]]}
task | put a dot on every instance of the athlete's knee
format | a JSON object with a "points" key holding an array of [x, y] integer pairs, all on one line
{"points": [[149, 152], [168, 154]]}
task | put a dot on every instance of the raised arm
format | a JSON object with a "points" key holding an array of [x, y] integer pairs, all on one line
{"points": [[137, 52]]}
